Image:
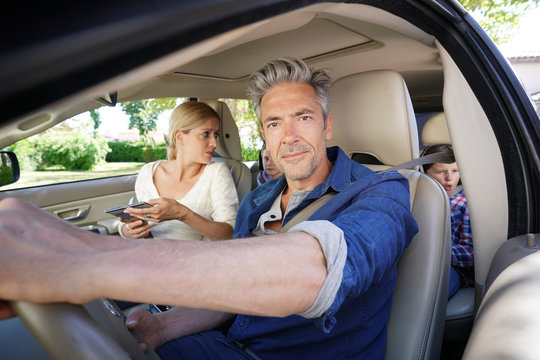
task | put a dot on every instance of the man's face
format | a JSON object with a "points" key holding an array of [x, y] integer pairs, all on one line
{"points": [[293, 127]]}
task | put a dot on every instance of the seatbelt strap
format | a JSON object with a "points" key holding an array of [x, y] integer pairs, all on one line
{"points": [[439, 157], [246, 349], [314, 206], [306, 212]]}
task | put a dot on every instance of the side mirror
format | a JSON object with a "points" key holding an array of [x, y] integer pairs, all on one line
{"points": [[9, 168]]}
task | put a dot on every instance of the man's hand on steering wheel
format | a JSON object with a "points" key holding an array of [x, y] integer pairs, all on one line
{"points": [[147, 325]]}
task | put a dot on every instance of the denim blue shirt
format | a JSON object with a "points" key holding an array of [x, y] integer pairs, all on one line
{"points": [[373, 211]]}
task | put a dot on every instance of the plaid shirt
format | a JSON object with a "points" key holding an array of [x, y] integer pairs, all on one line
{"points": [[462, 245]]}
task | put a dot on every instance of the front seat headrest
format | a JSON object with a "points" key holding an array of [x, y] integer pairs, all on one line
{"points": [[373, 115], [229, 138]]}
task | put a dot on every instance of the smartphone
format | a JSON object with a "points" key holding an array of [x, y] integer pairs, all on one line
{"points": [[119, 210]]}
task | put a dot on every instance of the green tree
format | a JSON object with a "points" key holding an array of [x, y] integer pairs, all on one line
{"points": [[94, 114], [143, 114], [499, 18]]}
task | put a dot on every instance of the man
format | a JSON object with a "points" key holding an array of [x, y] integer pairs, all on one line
{"points": [[321, 290]]}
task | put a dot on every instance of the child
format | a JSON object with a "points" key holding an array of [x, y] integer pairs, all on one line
{"points": [[268, 169], [462, 246]]}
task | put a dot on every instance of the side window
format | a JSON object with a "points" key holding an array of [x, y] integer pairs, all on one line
{"points": [[248, 127], [105, 142], [536, 101], [113, 141]]}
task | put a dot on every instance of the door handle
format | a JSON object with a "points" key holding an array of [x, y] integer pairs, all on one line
{"points": [[81, 213], [73, 214]]}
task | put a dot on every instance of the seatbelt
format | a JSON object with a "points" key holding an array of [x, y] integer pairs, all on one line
{"points": [[440, 157], [306, 212], [246, 349]]}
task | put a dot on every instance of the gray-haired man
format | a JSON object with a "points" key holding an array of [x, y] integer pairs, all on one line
{"points": [[320, 290]]}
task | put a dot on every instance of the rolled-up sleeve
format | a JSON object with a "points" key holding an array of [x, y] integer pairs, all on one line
{"points": [[371, 232], [334, 247]]}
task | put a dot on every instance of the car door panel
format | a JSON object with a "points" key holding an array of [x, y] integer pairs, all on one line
{"points": [[82, 203], [508, 317]]}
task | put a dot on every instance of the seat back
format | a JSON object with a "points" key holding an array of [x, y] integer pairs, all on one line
{"points": [[374, 122], [460, 309], [229, 150]]}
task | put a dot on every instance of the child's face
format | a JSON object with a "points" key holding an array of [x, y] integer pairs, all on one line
{"points": [[446, 174], [269, 166]]}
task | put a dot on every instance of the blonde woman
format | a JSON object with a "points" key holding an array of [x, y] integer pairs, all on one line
{"points": [[192, 197]]}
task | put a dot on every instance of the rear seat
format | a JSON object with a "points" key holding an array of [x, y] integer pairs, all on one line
{"points": [[229, 150], [460, 308]]}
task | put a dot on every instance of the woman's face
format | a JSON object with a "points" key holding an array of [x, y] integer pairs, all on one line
{"points": [[198, 144], [446, 174], [269, 166]]}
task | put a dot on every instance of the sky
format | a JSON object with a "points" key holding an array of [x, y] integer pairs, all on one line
{"points": [[527, 36], [526, 40], [114, 120]]}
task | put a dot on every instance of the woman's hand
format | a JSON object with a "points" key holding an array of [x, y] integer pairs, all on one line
{"points": [[135, 228], [167, 209], [162, 209]]}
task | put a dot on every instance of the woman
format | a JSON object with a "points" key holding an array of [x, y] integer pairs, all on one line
{"points": [[462, 246], [192, 198]]}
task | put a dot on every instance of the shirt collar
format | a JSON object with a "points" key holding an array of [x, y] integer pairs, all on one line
{"points": [[339, 178], [457, 191]]}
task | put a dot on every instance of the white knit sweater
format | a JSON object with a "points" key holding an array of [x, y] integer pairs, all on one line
{"points": [[213, 196]]}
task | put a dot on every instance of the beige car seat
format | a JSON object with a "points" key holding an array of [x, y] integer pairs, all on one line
{"points": [[374, 123], [435, 131], [229, 150], [460, 309]]}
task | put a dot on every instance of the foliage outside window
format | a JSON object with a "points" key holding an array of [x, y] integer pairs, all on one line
{"points": [[499, 18], [143, 114], [248, 126]]}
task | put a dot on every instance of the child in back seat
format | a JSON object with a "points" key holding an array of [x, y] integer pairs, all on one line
{"points": [[448, 176]]}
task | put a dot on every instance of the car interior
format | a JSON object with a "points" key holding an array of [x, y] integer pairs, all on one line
{"points": [[388, 73], [424, 267]]}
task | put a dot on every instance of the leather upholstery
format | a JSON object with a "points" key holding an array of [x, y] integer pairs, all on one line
{"points": [[229, 150], [373, 114], [460, 308], [435, 131]]}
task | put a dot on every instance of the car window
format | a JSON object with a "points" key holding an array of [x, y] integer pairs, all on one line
{"points": [[113, 141], [248, 127], [536, 101], [77, 150]]}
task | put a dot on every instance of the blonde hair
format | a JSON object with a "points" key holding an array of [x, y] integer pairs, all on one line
{"points": [[185, 117]]}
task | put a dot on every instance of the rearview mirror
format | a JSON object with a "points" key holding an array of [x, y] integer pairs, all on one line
{"points": [[9, 168]]}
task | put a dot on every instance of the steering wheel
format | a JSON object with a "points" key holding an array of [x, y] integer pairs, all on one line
{"points": [[94, 330]]}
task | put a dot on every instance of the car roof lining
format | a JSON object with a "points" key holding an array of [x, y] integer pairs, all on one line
{"points": [[364, 39]]}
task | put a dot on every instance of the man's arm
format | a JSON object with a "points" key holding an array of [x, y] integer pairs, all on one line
{"points": [[44, 259]]}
